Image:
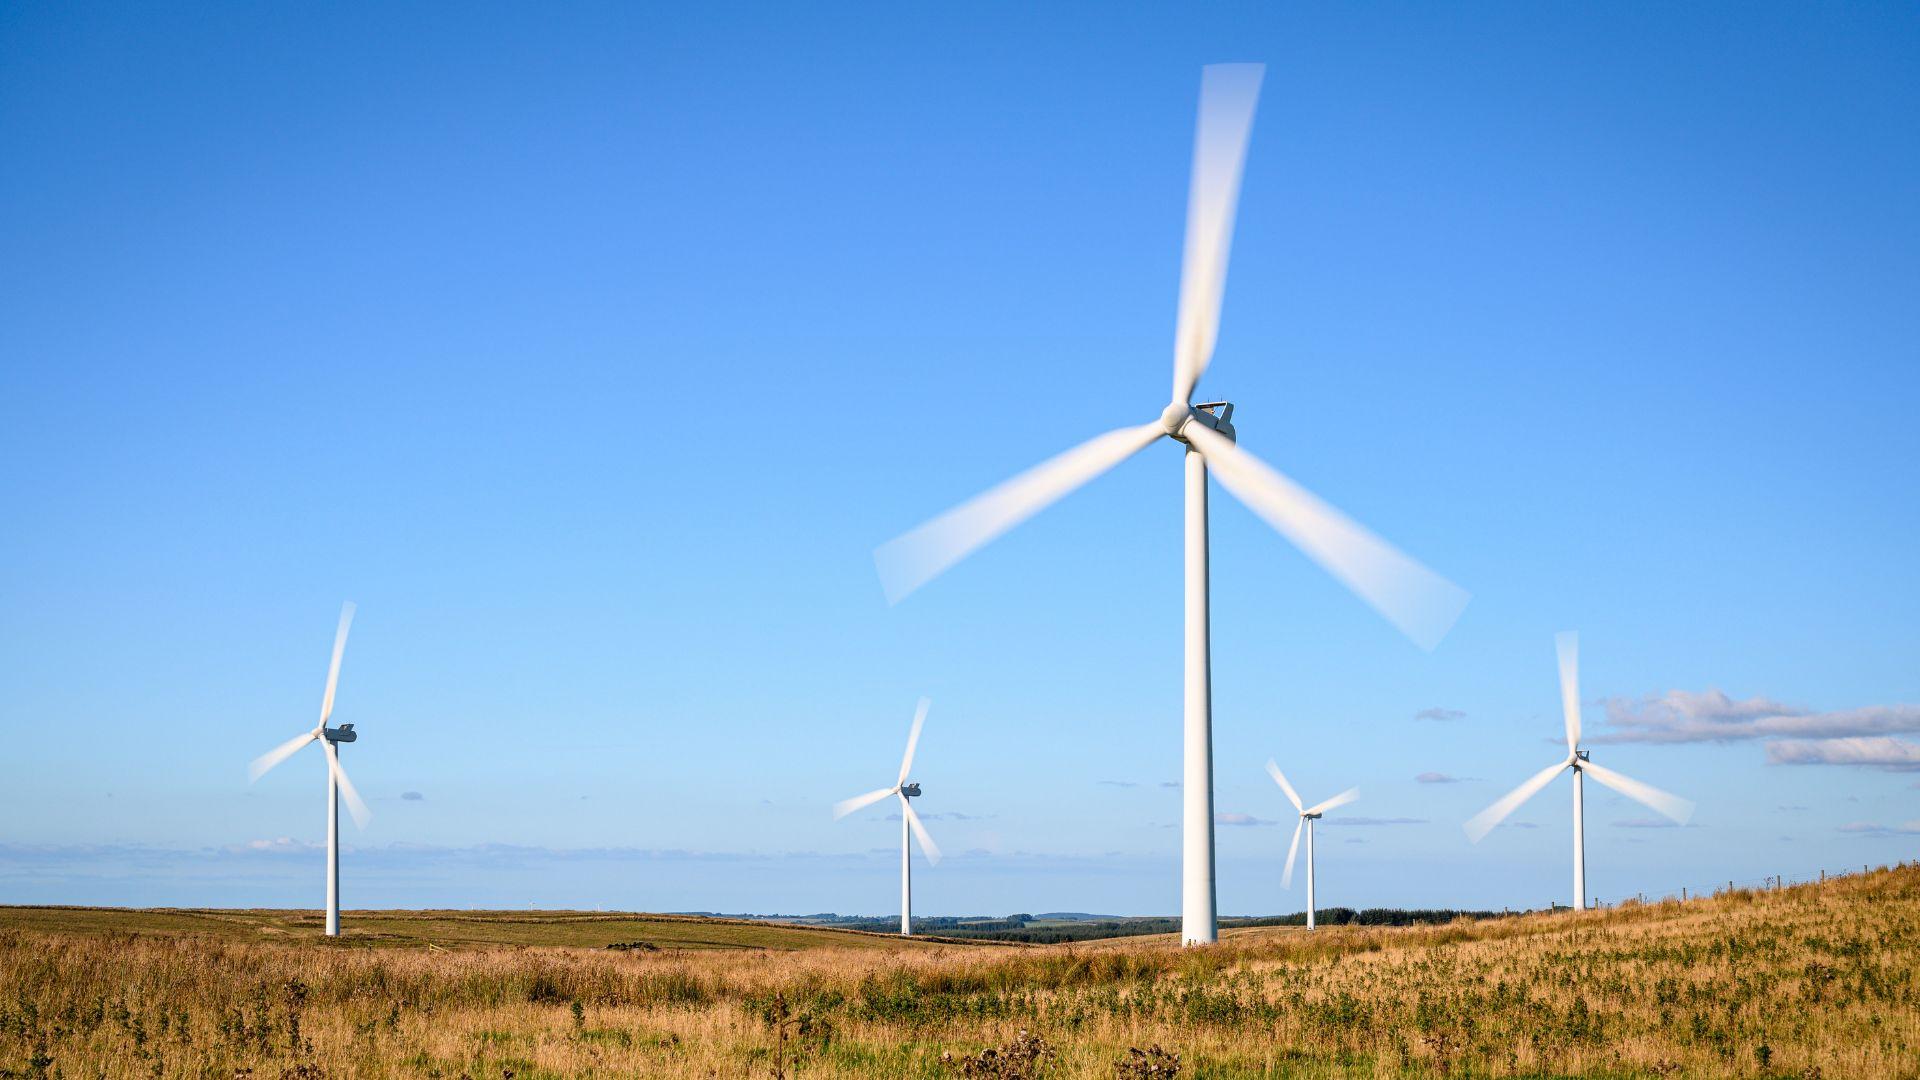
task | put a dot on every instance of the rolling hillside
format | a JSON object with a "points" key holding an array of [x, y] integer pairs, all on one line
{"points": [[1812, 981]]}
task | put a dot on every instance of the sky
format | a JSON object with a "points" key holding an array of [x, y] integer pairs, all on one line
{"points": [[592, 351]]}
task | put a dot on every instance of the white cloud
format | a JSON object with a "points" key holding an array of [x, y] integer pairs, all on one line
{"points": [[1441, 778], [1684, 716], [1240, 819], [1439, 713], [1868, 828], [1877, 753], [277, 845], [1344, 820]]}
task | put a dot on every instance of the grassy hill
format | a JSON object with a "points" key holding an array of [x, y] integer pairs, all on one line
{"points": [[449, 929], [1813, 981]]}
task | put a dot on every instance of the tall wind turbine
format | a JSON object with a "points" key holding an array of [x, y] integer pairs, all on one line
{"points": [[1673, 806], [908, 819], [337, 782], [1307, 816], [1422, 604]]}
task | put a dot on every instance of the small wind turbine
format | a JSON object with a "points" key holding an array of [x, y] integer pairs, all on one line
{"points": [[337, 782], [1419, 602], [908, 819], [1307, 816], [1673, 806]]}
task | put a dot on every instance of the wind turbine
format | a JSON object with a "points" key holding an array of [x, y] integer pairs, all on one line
{"points": [[1673, 806], [337, 782], [908, 819], [1422, 604], [1307, 816]]}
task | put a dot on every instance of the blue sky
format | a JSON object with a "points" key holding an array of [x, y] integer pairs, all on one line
{"points": [[591, 352]]}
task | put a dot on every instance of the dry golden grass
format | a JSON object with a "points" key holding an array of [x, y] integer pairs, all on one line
{"points": [[1812, 981]]}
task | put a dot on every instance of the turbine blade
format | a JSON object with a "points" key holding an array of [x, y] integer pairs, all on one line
{"points": [[927, 845], [1567, 644], [1228, 95], [278, 754], [1280, 778], [1286, 879], [847, 806], [914, 558], [333, 669], [913, 739], [1420, 602], [354, 804], [1483, 822], [1668, 804], [1339, 800]]}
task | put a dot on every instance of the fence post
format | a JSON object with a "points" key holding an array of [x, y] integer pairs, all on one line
{"points": [[1683, 894]]}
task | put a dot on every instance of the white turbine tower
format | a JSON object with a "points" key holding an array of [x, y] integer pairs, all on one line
{"points": [[1673, 806], [908, 819], [1307, 816], [337, 782], [1413, 598]]}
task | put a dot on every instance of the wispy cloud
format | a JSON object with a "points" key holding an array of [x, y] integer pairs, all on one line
{"points": [[1878, 753], [1645, 823], [1240, 819], [1442, 778], [1868, 828], [1118, 783], [1169, 783], [1684, 716], [950, 815], [280, 845], [1344, 820], [1441, 714], [412, 796], [1794, 735]]}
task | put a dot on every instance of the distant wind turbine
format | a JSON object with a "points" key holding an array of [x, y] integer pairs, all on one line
{"points": [[1673, 806], [1307, 817], [337, 782], [1419, 602], [908, 819]]}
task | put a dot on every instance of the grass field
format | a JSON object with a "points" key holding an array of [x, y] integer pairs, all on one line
{"points": [[446, 929], [1813, 981]]}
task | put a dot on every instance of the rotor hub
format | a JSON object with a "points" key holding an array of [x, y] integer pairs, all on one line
{"points": [[1175, 417], [1214, 414]]}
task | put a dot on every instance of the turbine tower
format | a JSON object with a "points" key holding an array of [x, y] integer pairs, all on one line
{"points": [[1567, 644], [337, 783], [1307, 817], [908, 819], [1422, 604]]}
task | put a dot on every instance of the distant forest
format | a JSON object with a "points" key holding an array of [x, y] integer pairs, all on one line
{"points": [[1048, 930]]}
